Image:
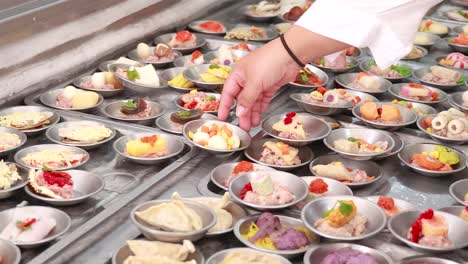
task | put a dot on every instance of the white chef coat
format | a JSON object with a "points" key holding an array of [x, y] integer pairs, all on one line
{"points": [[386, 27]]}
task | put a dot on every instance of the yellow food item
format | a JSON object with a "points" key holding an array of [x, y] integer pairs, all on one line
{"points": [[146, 146], [337, 219], [390, 113], [369, 111], [437, 226], [85, 99], [266, 242], [181, 81], [216, 74]]}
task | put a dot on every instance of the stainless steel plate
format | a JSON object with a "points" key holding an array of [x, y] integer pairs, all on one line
{"points": [[165, 123], [50, 99], [112, 110], [132, 85], [443, 140], [166, 38], [170, 74], [193, 74], [346, 79], [54, 119], [396, 89], [365, 65], [36, 148], [456, 100], [318, 253]]}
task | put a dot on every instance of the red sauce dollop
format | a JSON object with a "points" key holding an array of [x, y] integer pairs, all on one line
{"points": [[289, 118], [183, 36], [212, 26], [416, 227], [386, 203], [243, 166], [247, 188], [318, 186], [59, 178], [150, 139]]}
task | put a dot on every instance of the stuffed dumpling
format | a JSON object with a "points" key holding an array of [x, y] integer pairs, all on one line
{"points": [[143, 248]]}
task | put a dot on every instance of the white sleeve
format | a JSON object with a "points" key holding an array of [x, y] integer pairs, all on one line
{"points": [[387, 27]]}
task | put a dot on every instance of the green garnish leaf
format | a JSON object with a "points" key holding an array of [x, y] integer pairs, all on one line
{"points": [[45, 168], [322, 61], [304, 77], [345, 208], [214, 66], [461, 80], [133, 74], [351, 139], [131, 104], [372, 63], [183, 113], [22, 228], [402, 70], [210, 98]]}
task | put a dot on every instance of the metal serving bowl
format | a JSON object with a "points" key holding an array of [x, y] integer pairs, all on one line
{"points": [[318, 253], [206, 214], [124, 252], [85, 185], [419, 73], [178, 102], [376, 218], [21, 135], [320, 108], [193, 74], [456, 100], [219, 256], [54, 119], [254, 153], [245, 138], [132, 85], [133, 55], [270, 33], [52, 134], [11, 254], [106, 93], [371, 168], [425, 259], [432, 38], [63, 222], [347, 78], [363, 95], [371, 135], [423, 53], [36, 148], [6, 193], [320, 74], [195, 27], [334, 188], [242, 227], [170, 74], [294, 184], [399, 145], [112, 110], [457, 47], [166, 38], [444, 140], [165, 123], [174, 147], [315, 129], [427, 109], [402, 205], [463, 20], [440, 58], [396, 88], [407, 115], [457, 230], [50, 99], [454, 210], [458, 190], [365, 66], [352, 61], [222, 172], [407, 153], [257, 18]]}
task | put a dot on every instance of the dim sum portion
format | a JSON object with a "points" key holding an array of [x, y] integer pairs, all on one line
{"points": [[155, 252]]}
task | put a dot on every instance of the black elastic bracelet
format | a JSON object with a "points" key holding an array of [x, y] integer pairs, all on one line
{"points": [[293, 56]]}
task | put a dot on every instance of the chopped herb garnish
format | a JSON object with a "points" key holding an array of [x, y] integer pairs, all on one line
{"points": [[131, 104], [304, 77], [133, 74], [45, 168], [345, 208], [461, 80], [214, 66], [351, 139], [322, 61], [210, 98], [402, 70], [183, 113], [372, 63]]}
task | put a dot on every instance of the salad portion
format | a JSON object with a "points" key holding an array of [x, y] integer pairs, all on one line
{"points": [[441, 159], [393, 72], [200, 100]]}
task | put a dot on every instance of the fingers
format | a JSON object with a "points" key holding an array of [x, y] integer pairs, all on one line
{"points": [[246, 101], [256, 112], [231, 89]]}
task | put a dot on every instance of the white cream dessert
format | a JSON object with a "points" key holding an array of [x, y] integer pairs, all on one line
{"points": [[266, 192]]}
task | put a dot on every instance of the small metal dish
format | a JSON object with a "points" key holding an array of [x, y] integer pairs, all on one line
{"points": [[320, 74], [425, 259], [195, 26], [371, 168], [106, 93], [50, 99], [206, 214], [440, 58], [165, 123], [346, 79], [23, 172], [458, 190], [365, 65], [402, 205], [458, 29], [454, 210], [221, 173], [183, 60], [124, 252], [334, 188], [52, 134], [174, 148], [257, 18], [407, 115], [178, 102], [317, 254], [219, 256], [431, 37], [85, 185], [444, 140], [407, 153], [112, 110], [376, 218], [423, 54], [396, 88], [170, 74], [320, 108], [456, 100], [399, 145], [11, 254], [254, 153], [133, 55], [134, 86], [104, 66], [457, 230], [193, 74], [315, 129], [36, 148], [294, 184], [371, 135], [63, 222], [166, 38], [462, 20], [21, 135], [270, 33], [457, 47], [419, 74], [244, 137], [54, 119], [243, 225], [352, 61]]}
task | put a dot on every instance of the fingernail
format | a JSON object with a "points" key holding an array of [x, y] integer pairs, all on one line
{"points": [[240, 111]]}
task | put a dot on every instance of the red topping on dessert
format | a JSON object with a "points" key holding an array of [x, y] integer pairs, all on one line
{"points": [[247, 188], [243, 166], [26, 224], [289, 118], [318, 186], [416, 227], [416, 85], [241, 46], [386, 203], [150, 139], [466, 208], [59, 178], [322, 90], [196, 54], [212, 26], [183, 36], [379, 111]]}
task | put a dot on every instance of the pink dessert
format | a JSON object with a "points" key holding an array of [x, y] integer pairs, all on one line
{"points": [[430, 230], [183, 39], [263, 191], [52, 184], [418, 92]]}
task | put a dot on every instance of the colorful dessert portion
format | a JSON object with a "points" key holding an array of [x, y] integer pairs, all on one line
{"points": [[74, 98], [458, 15], [250, 256], [331, 97], [335, 61], [9, 175], [227, 55], [264, 8], [450, 123], [444, 76], [56, 158], [307, 77], [389, 206], [216, 136], [342, 220], [136, 108], [317, 188], [455, 60], [145, 75], [418, 92], [199, 100], [145, 251], [394, 71], [183, 40], [434, 27], [160, 54], [153, 146], [290, 127], [51, 184], [26, 120], [409, 105], [354, 145], [366, 83], [348, 256], [102, 81], [84, 133], [387, 113], [464, 213], [415, 53], [9, 141], [184, 116], [440, 159], [461, 39], [263, 191], [269, 232], [279, 154], [430, 230], [216, 74], [180, 81], [338, 171], [241, 168], [246, 33], [30, 228], [212, 26], [196, 58]]}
